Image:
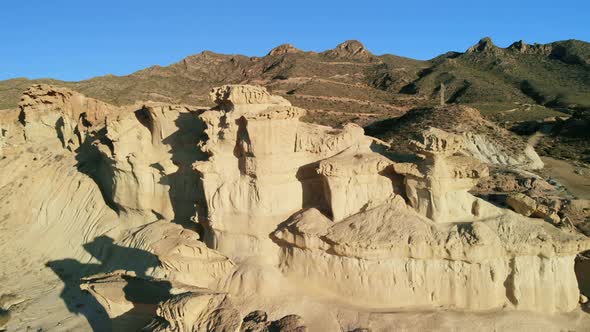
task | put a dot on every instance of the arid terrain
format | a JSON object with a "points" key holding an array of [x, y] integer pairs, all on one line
{"points": [[302, 191]]}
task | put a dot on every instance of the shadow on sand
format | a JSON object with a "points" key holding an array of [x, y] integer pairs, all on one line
{"points": [[142, 292]]}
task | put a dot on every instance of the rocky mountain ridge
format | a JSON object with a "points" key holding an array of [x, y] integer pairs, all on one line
{"points": [[349, 83]]}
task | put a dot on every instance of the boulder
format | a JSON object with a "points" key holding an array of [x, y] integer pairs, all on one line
{"points": [[191, 311], [256, 321], [522, 204], [290, 323]]}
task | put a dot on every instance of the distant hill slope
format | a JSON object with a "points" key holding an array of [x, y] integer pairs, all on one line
{"points": [[349, 83], [555, 75]]}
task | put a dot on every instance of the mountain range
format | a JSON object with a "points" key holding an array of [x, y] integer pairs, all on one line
{"points": [[349, 83]]}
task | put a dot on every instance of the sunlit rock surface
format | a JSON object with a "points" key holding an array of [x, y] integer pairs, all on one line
{"points": [[175, 218]]}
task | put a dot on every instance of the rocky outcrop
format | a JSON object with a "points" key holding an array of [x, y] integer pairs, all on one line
{"points": [[179, 254], [351, 50], [257, 321], [527, 206], [484, 45], [483, 139], [262, 167], [51, 113], [149, 152], [123, 294], [284, 49], [192, 311], [375, 226], [249, 98], [437, 186], [188, 219]]}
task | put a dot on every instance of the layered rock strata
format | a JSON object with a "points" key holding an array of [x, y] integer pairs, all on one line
{"points": [[381, 232], [437, 184], [262, 167], [149, 152], [194, 218]]}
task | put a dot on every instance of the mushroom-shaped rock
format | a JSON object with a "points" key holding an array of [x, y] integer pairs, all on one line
{"points": [[437, 186], [435, 142]]}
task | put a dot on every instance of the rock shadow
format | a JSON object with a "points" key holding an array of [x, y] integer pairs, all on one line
{"points": [[145, 294], [582, 270], [243, 149], [116, 257], [77, 302], [97, 166], [142, 292], [185, 185], [315, 191]]}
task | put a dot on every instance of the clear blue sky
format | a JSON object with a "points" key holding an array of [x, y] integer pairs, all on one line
{"points": [[74, 40]]}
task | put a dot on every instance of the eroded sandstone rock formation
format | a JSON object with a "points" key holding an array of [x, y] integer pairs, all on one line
{"points": [[191, 219], [408, 258], [262, 167], [483, 139], [47, 111], [437, 185]]}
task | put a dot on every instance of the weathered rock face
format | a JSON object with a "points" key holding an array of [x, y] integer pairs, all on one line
{"points": [[90, 179], [191, 311], [409, 253], [356, 180], [262, 167], [351, 50], [181, 257], [284, 49], [51, 113], [150, 152], [390, 256], [437, 186], [141, 156], [291, 214], [48, 207], [482, 139], [486, 150]]}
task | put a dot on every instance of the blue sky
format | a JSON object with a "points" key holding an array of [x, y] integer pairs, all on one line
{"points": [[74, 40]]}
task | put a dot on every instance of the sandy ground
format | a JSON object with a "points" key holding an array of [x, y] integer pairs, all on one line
{"points": [[562, 171], [49, 313], [565, 174]]}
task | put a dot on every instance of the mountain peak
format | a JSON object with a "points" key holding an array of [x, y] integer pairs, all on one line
{"points": [[350, 49], [284, 49], [484, 44], [519, 45]]}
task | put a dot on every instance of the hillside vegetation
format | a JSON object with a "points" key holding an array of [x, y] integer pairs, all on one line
{"points": [[349, 83]]}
